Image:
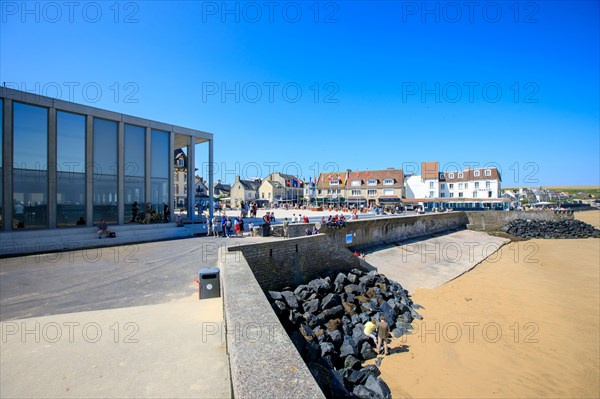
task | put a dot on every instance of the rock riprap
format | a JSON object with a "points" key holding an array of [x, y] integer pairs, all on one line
{"points": [[325, 319], [567, 228]]}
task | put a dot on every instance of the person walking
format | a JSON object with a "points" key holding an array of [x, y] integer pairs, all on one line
{"points": [[228, 226], [383, 331], [236, 226], [148, 215], [242, 227], [214, 223], [224, 226], [166, 213], [134, 211], [286, 225]]}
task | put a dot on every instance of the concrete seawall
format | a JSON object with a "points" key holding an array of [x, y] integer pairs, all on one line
{"points": [[371, 232], [263, 360], [291, 262], [493, 220]]}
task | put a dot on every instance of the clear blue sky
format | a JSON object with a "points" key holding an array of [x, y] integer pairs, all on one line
{"points": [[385, 83]]}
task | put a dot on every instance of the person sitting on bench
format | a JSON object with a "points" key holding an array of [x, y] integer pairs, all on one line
{"points": [[103, 229]]}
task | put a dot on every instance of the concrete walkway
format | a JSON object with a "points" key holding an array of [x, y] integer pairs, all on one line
{"points": [[113, 323], [172, 350], [432, 262]]}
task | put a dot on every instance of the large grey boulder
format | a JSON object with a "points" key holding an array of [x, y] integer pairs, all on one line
{"points": [[330, 301], [348, 348]]}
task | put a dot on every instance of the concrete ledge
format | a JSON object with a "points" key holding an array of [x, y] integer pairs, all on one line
{"points": [[26, 242], [263, 361], [372, 232], [493, 220], [291, 262]]}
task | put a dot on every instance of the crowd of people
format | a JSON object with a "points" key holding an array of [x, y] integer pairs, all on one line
{"points": [[334, 222], [227, 226]]}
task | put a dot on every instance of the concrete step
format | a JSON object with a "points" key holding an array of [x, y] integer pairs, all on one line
{"points": [[43, 241]]}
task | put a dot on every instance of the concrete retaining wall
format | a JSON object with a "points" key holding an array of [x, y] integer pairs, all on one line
{"points": [[294, 261], [263, 360], [294, 230], [493, 220], [370, 232], [23, 242]]}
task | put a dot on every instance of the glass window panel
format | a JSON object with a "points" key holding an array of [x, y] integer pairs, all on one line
{"points": [[105, 171], [160, 170], [70, 173], [30, 177], [135, 167], [1, 163]]}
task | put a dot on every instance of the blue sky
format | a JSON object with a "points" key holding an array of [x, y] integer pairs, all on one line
{"points": [[304, 87]]}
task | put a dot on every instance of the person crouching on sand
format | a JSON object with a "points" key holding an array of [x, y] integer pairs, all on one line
{"points": [[369, 330]]}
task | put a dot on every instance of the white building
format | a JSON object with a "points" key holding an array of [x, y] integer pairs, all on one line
{"points": [[310, 191], [180, 179], [460, 189]]}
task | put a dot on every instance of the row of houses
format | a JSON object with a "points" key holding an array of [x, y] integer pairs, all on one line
{"points": [[433, 188]]}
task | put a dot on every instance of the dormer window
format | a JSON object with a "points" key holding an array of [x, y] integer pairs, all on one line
{"points": [[334, 183], [372, 182], [451, 175], [388, 182], [441, 175], [180, 162], [460, 175], [488, 172], [356, 183], [477, 173]]}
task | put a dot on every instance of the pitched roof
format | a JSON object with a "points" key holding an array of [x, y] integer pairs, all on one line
{"points": [[397, 175], [469, 175], [325, 178], [180, 154], [222, 187], [251, 185], [289, 177]]}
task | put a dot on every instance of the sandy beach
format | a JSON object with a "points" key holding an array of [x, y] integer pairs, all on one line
{"points": [[522, 324]]}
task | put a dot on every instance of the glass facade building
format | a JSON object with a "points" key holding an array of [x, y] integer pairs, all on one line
{"points": [[66, 165]]}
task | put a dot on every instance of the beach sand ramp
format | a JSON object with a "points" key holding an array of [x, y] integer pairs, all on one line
{"points": [[434, 261]]}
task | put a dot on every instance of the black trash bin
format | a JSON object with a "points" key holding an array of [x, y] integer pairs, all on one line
{"points": [[266, 229], [209, 283]]}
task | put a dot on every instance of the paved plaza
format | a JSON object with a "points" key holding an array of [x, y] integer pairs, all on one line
{"points": [[113, 322]]}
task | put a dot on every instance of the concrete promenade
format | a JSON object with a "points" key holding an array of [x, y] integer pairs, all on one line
{"points": [[113, 322], [156, 351]]}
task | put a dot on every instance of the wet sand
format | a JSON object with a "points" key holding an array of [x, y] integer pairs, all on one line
{"points": [[525, 323]]}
